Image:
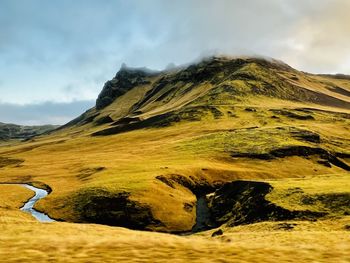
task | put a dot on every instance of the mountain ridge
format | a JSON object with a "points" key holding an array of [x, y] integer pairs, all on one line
{"points": [[217, 80]]}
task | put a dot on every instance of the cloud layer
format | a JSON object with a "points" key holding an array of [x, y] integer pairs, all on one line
{"points": [[63, 51], [42, 113]]}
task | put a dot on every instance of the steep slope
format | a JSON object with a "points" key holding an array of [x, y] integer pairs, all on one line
{"points": [[158, 141], [137, 97]]}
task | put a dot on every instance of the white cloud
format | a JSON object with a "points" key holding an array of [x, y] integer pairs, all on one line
{"points": [[47, 46], [320, 40]]}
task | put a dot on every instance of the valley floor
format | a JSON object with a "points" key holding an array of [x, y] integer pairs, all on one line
{"points": [[23, 239]]}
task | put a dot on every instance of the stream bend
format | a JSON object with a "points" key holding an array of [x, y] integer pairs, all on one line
{"points": [[29, 205]]}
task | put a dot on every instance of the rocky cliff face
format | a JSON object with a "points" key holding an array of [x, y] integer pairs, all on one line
{"points": [[209, 70], [125, 80]]}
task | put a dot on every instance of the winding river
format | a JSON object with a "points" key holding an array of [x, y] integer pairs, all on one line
{"points": [[29, 205]]}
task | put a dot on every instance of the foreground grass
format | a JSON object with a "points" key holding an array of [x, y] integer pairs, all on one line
{"points": [[23, 239], [63, 242]]}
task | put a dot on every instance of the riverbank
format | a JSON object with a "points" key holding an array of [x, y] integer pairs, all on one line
{"points": [[28, 207], [24, 239]]}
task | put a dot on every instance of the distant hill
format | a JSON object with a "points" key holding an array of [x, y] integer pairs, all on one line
{"points": [[13, 131]]}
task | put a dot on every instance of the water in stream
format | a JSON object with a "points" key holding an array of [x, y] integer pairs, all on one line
{"points": [[203, 217], [28, 206]]}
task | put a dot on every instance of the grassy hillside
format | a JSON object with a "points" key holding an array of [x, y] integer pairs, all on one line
{"points": [[158, 141]]}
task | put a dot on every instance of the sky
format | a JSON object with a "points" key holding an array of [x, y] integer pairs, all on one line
{"points": [[55, 56]]}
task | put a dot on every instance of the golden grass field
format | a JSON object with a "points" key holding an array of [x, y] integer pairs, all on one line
{"points": [[23, 239], [73, 163]]}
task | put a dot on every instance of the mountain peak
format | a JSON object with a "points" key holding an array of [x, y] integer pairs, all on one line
{"points": [[125, 79], [261, 60], [136, 70], [208, 83]]}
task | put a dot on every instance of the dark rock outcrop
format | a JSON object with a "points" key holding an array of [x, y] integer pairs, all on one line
{"points": [[218, 232], [104, 120], [305, 135], [293, 115], [100, 206], [196, 185], [295, 150], [162, 120], [244, 202], [125, 80]]}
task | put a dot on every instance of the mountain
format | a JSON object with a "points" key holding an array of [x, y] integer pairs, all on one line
{"points": [[219, 143], [13, 131], [138, 97]]}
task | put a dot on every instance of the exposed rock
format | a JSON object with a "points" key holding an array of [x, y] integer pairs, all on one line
{"points": [[325, 163], [125, 80], [339, 90], [295, 150], [293, 115], [127, 120], [162, 120], [250, 109], [334, 113], [243, 202], [195, 185], [305, 135], [104, 120], [285, 226], [342, 154], [96, 205], [218, 232], [216, 112]]}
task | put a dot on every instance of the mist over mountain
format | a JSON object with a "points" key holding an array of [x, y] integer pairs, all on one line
{"points": [[140, 95]]}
